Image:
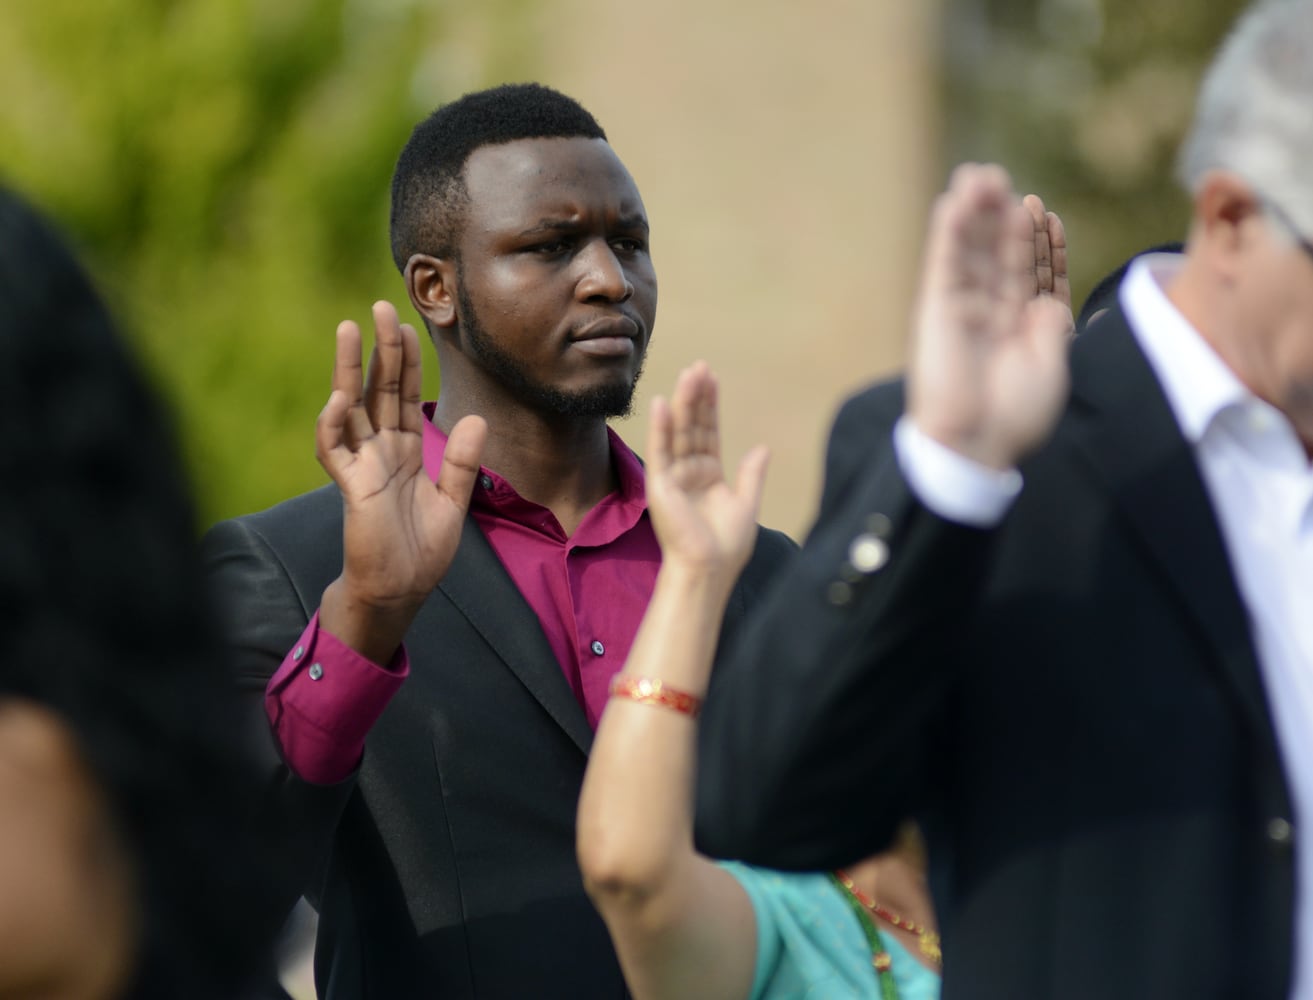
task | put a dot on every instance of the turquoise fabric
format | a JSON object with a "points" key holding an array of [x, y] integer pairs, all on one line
{"points": [[810, 945]]}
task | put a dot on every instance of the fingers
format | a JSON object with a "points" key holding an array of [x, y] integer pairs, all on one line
{"points": [[695, 418], [412, 380], [347, 380], [750, 480], [1019, 251], [460, 460], [659, 434], [962, 250], [1040, 276], [330, 432], [1057, 235], [382, 392]]}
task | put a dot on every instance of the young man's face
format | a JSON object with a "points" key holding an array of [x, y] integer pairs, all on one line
{"points": [[556, 292]]}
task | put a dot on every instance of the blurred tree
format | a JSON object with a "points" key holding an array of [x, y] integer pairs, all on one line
{"points": [[1086, 102], [224, 165]]}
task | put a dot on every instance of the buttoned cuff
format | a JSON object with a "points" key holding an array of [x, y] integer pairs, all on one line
{"points": [[323, 701], [951, 485]]}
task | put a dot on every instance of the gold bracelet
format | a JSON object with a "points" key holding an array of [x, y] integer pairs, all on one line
{"points": [[649, 691]]}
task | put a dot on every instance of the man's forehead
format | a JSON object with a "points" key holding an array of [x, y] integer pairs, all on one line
{"points": [[538, 171]]}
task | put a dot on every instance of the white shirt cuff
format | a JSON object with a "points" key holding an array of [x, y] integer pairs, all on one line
{"points": [[953, 486]]}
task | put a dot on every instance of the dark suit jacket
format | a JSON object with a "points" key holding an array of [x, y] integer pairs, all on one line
{"points": [[445, 867], [1070, 704]]}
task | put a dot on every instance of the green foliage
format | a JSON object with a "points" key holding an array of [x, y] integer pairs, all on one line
{"points": [[223, 165], [1086, 101]]}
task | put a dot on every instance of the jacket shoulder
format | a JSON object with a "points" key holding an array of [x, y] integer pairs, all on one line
{"points": [[301, 536]]}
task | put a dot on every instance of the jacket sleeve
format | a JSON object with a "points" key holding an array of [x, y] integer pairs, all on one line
{"points": [[814, 734], [263, 614]]}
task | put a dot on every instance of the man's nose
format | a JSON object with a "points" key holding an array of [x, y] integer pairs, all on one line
{"points": [[602, 274]]}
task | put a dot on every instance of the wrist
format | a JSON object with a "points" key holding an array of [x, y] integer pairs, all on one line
{"points": [[978, 446], [374, 629], [706, 581]]}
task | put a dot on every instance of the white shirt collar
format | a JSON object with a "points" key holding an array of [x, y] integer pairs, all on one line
{"points": [[1197, 382]]}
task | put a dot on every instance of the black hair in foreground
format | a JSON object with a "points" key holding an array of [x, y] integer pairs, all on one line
{"points": [[1104, 294], [103, 619], [428, 190]]}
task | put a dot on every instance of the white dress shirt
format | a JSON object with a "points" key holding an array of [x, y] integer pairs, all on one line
{"points": [[1261, 484]]}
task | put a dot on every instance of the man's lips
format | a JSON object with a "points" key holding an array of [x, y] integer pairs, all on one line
{"points": [[612, 337]]}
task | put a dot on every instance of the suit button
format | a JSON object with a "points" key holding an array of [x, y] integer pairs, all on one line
{"points": [[868, 553], [1280, 832], [879, 525], [839, 594]]}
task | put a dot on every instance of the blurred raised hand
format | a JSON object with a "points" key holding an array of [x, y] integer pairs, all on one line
{"points": [[400, 529], [702, 522], [987, 372]]}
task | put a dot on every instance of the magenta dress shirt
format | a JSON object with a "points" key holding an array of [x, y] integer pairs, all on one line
{"points": [[589, 591]]}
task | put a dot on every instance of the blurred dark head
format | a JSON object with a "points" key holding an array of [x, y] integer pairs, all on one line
{"points": [[110, 677], [1104, 295], [428, 190]]}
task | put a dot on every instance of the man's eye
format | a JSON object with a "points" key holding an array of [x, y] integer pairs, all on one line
{"points": [[629, 245], [551, 248]]}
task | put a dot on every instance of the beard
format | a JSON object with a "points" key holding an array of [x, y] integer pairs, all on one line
{"points": [[615, 399]]}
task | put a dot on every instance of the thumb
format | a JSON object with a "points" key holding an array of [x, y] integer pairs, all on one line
{"points": [[750, 479], [460, 460]]}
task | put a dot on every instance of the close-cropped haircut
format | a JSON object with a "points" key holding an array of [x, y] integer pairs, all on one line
{"points": [[104, 620], [1252, 114], [428, 186]]}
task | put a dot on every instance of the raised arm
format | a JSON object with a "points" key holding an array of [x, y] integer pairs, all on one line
{"points": [[370, 552], [816, 733], [683, 927]]}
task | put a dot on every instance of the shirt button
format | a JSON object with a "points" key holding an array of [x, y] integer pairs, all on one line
{"points": [[1279, 831], [485, 481], [298, 652], [316, 671], [597, 647]]}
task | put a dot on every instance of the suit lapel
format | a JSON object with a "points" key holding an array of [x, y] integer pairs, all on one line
{"points": [[1124, 427], [480, 588]]}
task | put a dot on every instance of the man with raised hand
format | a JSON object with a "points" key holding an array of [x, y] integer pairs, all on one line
{"points": [[430, 661], [1094, 690]]}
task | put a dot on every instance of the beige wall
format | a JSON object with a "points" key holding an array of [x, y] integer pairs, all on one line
{"points": [[787, 154]]}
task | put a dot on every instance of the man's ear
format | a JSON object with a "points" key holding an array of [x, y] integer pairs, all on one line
{"points": [[431, 283], [1223, 203]]}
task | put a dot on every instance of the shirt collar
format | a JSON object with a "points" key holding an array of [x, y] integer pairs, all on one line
{"points": [[628, 469], [1196, 381]]}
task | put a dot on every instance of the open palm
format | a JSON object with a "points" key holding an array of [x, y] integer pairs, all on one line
{"points": [[987, 375], [400, 529], [700, 520]]}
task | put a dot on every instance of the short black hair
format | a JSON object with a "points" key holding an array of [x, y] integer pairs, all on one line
{"points": [[428, 187], [104, 619], [1104, 294]]}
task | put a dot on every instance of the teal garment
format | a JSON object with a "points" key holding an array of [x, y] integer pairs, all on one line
{"points": [[809, 943]]}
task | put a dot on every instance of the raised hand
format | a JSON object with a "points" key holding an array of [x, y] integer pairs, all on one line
{"points": [[701, 521], [987, 374], [400, 530]]}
